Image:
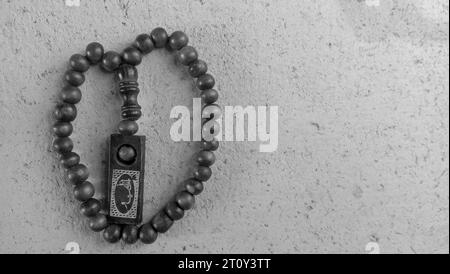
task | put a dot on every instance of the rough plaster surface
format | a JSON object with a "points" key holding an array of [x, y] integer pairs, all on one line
{"points": [[363, 148]]}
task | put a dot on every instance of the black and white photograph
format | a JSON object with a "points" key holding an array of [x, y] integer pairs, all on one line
{"points": [[236, 130]]}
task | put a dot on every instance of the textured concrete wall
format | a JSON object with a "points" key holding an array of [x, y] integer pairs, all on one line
{"points": [[362, 89]]}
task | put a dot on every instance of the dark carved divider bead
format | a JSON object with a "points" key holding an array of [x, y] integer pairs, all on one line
{"points": [[129, 89]]}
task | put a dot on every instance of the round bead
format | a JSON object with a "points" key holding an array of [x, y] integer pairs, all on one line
{"points": [[77, 174], [205, 81], [206, 158], [202, 173], [159, 37], [197, 68], [126, 154], [111, 60], [98, 222], [193, 186], [62, 145], [210, 130], [130, 234], [185, 200], [74, 78], [210, 145], [112, 233], [65, 112], [144, 43], [62, 129], [90, 207], [69, 159], [174, 211], [132, 56], [94, 52], [71, 94], [187, 55], [161, 222], [128, 127], [147, 234], [79, 63], [212, 111], [177, 40], [84, 191], [209, 96]]}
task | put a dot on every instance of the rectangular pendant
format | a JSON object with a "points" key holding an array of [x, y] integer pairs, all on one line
{"points": [[125, 184]]}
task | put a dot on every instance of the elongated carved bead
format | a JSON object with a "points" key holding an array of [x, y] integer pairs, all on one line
{"points": [[129, 90]]}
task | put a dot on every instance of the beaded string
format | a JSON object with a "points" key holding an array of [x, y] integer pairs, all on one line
{"points": [[78, 173]]}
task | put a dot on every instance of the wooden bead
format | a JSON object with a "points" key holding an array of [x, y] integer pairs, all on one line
{"points": [[84, 191], [77, 174], [206, 158], [127, 76], [205, 81], [210, 145], [69, 159], [112, 233], [90, 207], [111, 61], [94, 52], [62, 129], [65, 112], [202, 173], [161, 222], [128, 127], [75, 78], [212, 111], [193, 186], [177, 40], [98, 222], [210, 130], [147, 234], [174, 211], [144, 43], [62, 145], [71, 95], [126, 154], [130, 234], [159, 37], [79, 63], [132, 56], [185, 200], [209, 96], [187, 55], [198, 68]]}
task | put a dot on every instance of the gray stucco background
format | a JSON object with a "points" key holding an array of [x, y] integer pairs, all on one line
{"points": [[363, 100]]}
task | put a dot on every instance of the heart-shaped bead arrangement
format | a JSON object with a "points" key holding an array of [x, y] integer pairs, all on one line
{"points": [[123, 206]]}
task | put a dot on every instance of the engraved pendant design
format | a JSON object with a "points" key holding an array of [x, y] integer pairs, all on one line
{"points": [[124, 193]]}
